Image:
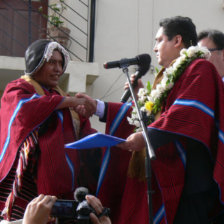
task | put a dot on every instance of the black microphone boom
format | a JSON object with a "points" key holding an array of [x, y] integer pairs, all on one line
{"points": [[138, 60]]}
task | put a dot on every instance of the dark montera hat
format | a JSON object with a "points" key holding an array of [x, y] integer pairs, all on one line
{"points": [[39, 52]]}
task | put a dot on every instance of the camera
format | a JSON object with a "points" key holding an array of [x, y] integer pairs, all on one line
{"points": [[77, 210]]}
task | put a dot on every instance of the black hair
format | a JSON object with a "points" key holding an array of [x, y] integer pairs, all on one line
{"points": [[215, 35], [179, 25]]}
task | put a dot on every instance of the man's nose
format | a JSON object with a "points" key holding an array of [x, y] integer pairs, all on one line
{"points": [[58, 67], [155, 48]]}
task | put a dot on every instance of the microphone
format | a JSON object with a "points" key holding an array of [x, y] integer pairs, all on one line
{"points": [[144, 64], [138, 60], [80, 193]]}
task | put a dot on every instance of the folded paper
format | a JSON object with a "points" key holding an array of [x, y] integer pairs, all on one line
{"points": [[94, 141]]}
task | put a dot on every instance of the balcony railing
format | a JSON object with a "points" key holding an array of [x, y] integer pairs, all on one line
{"points": [[22, 23]]}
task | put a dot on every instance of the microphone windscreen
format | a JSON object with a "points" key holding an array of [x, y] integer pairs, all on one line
{"points": [[80, 193], [144, 61]]}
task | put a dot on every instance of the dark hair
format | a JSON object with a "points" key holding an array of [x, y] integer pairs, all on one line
{"points": [[215, 35], [179, 25], [34, 56]]}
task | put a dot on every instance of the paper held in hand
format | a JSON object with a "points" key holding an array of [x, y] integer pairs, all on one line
{"points": [[94, 141]]}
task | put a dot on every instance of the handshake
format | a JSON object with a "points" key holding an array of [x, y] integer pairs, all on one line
{"points": [[86, 106], [81, 103]]}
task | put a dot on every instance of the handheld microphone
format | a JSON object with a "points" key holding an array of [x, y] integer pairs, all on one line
{"points": [[138, 60], [144, 64]]}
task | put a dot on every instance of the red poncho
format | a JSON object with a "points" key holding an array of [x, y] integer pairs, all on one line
{"points": [[23, 111], [193, 110]]}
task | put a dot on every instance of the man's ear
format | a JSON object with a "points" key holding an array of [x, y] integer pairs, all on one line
{"points": [[178, 40]]}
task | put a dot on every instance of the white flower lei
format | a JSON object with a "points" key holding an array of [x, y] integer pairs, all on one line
{"points": [[150, 101]]}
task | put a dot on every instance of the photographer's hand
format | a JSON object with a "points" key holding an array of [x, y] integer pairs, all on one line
{"points": [[38, 210], [96, 204]]}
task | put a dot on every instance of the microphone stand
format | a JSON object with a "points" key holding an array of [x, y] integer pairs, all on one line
{"points": [[150, 154]]}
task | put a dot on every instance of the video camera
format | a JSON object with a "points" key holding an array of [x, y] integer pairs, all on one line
{"points": [[77, 210]]}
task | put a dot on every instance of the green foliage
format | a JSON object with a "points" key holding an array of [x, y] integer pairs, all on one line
{"points": [[149, 87], [55, 17]]}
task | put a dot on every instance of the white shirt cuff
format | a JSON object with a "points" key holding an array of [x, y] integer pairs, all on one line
{"points": [[100, 108]]}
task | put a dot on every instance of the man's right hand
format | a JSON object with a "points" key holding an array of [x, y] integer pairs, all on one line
{"points": [[38, 210]]}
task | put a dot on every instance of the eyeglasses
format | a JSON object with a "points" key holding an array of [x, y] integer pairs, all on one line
{"points": [[214, 49]]}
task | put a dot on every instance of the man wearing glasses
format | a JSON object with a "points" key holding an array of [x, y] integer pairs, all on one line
{"points": [[214, 41]]}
